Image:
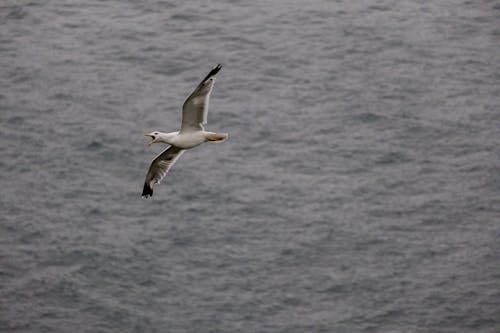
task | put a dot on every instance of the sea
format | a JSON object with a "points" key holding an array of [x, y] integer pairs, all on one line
{"points": [[359, 189]]}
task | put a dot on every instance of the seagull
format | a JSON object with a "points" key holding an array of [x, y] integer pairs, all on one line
{"points": [[191, 134]]}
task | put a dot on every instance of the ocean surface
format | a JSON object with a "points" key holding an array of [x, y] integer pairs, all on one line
{"points": [[359, 190]]}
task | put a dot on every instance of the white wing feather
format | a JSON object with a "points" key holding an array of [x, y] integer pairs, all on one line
{"points": [[159, 168], [195, 108]]}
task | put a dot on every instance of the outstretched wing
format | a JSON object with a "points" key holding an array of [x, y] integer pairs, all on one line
{"points": [[195, 108], [159, 168]]}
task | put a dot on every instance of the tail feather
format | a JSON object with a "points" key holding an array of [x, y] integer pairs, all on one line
{"points": [[147, 191], [217, 136]]}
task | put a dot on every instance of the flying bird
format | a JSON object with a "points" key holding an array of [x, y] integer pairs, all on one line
{"points": [[191, 134]]}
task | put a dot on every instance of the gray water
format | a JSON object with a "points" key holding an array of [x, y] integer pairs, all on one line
{"points": [[359, 190]]}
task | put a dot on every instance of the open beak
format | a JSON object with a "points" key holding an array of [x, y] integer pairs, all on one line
{"points": [[152, 137]]}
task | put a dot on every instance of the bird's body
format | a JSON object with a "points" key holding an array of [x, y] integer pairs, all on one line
{"points": [[191, 134], [190, 139]]}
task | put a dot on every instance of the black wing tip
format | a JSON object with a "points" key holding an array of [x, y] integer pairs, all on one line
{"points": [[214, 71], [147, 191]]}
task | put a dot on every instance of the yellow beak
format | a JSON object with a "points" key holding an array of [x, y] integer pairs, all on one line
{"points": [[152, 141]]}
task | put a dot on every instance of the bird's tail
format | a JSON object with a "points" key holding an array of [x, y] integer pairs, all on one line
{"points": [[217, 136], [147, 191]]}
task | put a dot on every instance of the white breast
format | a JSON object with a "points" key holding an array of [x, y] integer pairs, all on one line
{"points": [[189, 139]]}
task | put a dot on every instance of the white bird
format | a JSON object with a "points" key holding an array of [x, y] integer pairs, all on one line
{"points": [[191, 134]]}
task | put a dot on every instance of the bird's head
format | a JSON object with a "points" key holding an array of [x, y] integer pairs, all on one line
{"points": [[155, 136]]}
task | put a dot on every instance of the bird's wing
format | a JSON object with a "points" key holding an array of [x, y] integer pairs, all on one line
{"points": [[195, 108], [159, 168]]}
